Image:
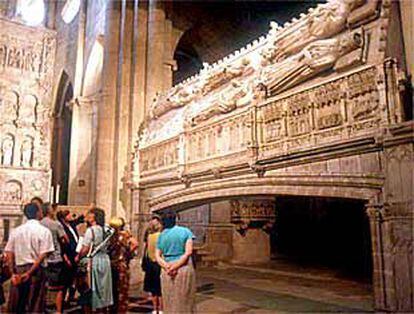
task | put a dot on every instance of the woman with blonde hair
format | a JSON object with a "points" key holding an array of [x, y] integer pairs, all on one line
{"points": [[122, 247], [152, 282]]}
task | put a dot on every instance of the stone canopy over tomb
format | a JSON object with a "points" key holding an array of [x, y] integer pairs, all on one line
{"points": [[286, 76], [313, 108]]}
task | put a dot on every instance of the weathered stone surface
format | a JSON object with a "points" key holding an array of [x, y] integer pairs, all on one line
{"points": [[27, 57]]}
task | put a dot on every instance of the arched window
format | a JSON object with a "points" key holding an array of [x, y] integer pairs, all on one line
{"points": [[70, 10], [32, 12]]}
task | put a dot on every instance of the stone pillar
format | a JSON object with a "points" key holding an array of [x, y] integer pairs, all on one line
{"points": [[155, 50], [109, 111], [407, 19], [140, 55], [253, 218], [374, 214], [398, 219], [83, 149]]}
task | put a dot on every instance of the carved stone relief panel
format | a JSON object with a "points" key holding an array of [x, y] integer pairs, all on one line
{"points": [[26, 74], [298, 111], [363, 96], [161, 156], [218, 139], [248, 213], [328, 105], [323, 113], [274, 116]]}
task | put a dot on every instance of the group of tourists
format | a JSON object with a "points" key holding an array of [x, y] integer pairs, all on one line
{"points": [[168, 266], [47, 255]]}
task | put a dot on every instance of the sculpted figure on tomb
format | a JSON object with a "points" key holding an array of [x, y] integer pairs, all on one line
{"points": [[324, 22], [176, 98], [219, 107], [237, 96], [26, 153], [219, 77], [313, 59], [7, 147]]}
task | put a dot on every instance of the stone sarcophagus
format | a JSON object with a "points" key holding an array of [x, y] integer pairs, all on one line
{"points": [[26, 75], [322, 79]]}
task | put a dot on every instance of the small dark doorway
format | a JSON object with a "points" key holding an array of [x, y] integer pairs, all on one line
{"points": [[61, 141], [324, 232]]}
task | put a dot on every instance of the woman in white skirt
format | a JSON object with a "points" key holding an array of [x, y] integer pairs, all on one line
{"points": [[173, 254]]}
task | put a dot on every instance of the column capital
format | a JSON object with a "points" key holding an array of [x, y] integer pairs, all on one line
{"points": [[374, 211]]}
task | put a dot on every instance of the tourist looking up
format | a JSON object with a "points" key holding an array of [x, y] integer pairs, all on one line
{"points": [[70, 222], [55, 271], [99, 264]]}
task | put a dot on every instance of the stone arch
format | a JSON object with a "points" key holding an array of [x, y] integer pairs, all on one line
{"points": [[270, 185], [7, 149], [61, 139], [28, 109], [93, 71], [9, 105], [26, 151], [188, 61]]}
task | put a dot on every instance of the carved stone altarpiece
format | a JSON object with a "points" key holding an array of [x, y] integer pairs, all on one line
{"points": [[26, 75]]}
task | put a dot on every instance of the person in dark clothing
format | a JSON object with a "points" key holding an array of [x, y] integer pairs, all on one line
{"points": [[5, 274], [69, 223]]}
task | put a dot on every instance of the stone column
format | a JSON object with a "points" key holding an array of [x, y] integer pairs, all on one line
{"points": [[398, 218], [398, 257], [83, 148], [252, 217], [155, 50], [374, 214], [407, 21], [109, 110]]}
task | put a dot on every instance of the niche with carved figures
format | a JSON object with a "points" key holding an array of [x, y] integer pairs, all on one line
{"points": [[28, 111], [7, 150], [26, 152], [9, 106]]}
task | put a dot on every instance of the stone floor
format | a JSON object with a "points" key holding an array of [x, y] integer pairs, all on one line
{"points": [[272, 288], [277, 288]]}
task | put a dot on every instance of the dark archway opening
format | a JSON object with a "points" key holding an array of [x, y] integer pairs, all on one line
{"points": [[62, 129], [324, 232], [188, 61]]}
